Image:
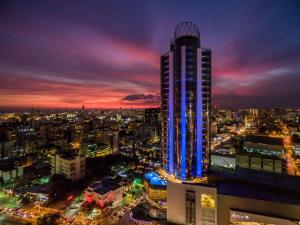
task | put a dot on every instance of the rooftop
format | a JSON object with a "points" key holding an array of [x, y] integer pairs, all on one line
{"points": [[263, 139], [256, 191], [68, 155], [104, 186]]}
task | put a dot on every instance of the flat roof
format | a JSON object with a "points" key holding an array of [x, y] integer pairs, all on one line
{"points": [[102, 187], [155, 180], [68, 155], [247, 189], [257, 191], [263, 139]]}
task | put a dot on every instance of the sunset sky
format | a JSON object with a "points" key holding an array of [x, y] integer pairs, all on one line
{"points": [[105, 54]]}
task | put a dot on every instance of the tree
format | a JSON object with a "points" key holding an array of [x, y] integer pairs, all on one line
{"points": [[25, 200], [49, 219], [60, 185]]}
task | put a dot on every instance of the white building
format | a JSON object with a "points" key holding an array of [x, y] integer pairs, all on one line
{"points": [[104, 193], [70, 165], [230, 203], [11, 173]]}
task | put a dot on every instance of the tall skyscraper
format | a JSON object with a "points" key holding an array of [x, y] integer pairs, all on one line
{"points": [[185, 104]]}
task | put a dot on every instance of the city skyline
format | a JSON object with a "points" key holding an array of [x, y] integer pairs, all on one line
{"points": [[57, 55], [150, 112]]}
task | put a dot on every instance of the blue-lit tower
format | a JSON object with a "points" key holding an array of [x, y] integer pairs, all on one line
{"points": [[185, 104]]}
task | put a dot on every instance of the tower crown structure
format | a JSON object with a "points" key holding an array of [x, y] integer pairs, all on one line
{"points": [[185, 104], [186, 29]]}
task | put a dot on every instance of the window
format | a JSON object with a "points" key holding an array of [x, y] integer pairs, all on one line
{"points": [[207, 201], [208, 206], [190, 207]]}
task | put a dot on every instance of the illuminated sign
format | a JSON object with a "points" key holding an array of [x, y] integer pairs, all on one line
{"points": [[239, 218], [243, 217]]}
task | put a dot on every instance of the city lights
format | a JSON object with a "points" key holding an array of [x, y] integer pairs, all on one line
{"points": [[117, 113]]}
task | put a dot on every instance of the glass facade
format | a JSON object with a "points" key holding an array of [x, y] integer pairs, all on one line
{"points": [[185, 104]]}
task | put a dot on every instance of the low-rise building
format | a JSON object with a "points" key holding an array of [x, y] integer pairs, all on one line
{"points": [[262, 153], [10, 173], [69, 164], [154, 210], [223, 160], [296, 145], [263, 163], [155, 190], [264, 145], [104, 192]]}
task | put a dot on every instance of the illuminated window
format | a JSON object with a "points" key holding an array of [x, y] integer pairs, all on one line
{"points": [[208, 211], [207, 201]]}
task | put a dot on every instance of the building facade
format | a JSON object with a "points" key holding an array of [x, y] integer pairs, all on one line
{"points": [[104, 193], [70, 165], [152, 116], [230, 204], [155, 193], [186, 104], [263, 153]]}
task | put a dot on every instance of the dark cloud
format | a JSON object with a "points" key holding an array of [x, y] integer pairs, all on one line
{"points": [[143, 97]]}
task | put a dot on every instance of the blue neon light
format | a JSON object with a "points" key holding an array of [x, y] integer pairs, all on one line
{"points": [[199, 115], [154, 179], [171, 159], [183, 117]]}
